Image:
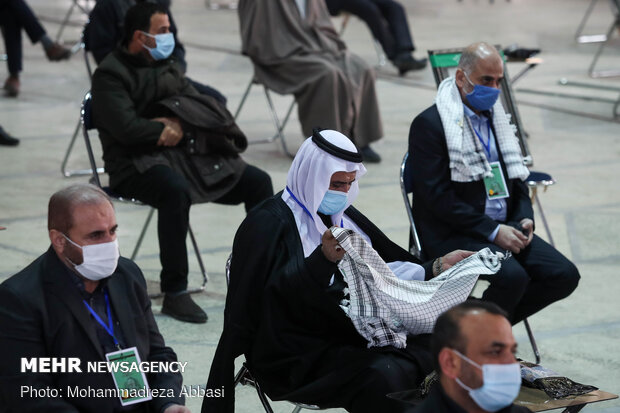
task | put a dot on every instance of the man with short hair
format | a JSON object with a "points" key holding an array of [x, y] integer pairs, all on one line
{"points": [[79, 300], [474, 354], [468, 178], [167, 145], [286, 302]]}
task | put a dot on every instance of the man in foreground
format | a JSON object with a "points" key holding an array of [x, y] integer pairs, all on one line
{"points": [[79, 300], [474, 353]]}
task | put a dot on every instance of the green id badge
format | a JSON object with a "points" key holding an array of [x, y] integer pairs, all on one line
{"points": [[129, 379], [495, 185]]}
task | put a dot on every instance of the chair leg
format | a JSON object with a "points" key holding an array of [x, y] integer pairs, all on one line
{"points": [[75, 172], [297, 409], [263, 398], [381, 59], [141, 237], [276, 121], [544, 219], [243, 98], [64, 22], [604, 73], [532, 340], [205, 277]]}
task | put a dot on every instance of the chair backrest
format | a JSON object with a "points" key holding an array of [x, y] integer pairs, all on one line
{"points": [[444, 63], [86, 119], [406, 187]]}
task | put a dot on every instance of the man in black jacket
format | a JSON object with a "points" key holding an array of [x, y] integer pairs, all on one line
{"points": [[79, 300], [468, 177], [284, 303], [470, 338], [148, 147]]}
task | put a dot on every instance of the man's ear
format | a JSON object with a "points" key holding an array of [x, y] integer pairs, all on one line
{"points": [[459, 76], [449, 363], [58, 240]]}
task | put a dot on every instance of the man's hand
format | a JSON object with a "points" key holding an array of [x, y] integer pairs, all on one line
{"points": [[331, 249], [453, 257], [172, 133], [511, 239], [528, 228], [177, 408]]}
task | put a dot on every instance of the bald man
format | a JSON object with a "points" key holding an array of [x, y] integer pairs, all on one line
{"points": [[468, 339], [468, 179]]}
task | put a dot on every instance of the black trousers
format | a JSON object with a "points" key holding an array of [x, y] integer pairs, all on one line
{"points": [[166, 190], [527, 282], [386, 19], [16, 15]]}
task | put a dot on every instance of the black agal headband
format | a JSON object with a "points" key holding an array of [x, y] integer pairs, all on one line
{"points": [[332, 149]]}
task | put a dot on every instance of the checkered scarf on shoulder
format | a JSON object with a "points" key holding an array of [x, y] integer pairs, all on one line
{"points": [[468, 162], [384, 308]]}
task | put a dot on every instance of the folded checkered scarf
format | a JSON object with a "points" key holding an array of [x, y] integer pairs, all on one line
{"points": [[468, 162], [384, 308]]}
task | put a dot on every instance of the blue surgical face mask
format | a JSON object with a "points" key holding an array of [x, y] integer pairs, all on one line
{"points": [[482, 97], [164, 45], [500, 384], [333, 202]]}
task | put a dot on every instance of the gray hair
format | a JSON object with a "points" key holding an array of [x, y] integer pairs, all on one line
{"points": [[63, 203], [473, 53]]}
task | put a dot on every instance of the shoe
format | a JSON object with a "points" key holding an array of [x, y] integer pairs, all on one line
{"points": [[56, 52], [405, 62], [11, 86], [6, 139], [514, 53], [183, 308], [370, 156]]}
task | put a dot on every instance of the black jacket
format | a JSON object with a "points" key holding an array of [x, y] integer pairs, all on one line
{"points": [[444, 209], [42, 315]]}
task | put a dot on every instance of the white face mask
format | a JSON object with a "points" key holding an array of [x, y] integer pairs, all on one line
{"points": [[500, 384], [99, 260]]}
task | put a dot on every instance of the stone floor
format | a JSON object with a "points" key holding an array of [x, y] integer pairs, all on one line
{"points": [[575, 140]]}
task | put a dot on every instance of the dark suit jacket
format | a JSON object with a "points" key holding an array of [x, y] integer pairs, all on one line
{"points": [[445, 210], [42, 315]]}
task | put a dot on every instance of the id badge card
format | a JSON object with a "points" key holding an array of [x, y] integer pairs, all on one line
{"points": [[495, 185], [130, 381]]}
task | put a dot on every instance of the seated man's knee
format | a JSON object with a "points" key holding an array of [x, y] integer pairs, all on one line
{"points": [[511, 276]]}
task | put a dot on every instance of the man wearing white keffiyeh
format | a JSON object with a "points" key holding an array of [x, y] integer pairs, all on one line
{"points": [[467, 175], [283, 307]]}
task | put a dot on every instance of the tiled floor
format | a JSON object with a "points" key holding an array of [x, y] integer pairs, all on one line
{"points": [[578, 336]]}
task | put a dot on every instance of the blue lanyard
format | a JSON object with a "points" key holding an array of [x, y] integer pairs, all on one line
{"points": [[304, 207], [110, 327], [487, 146]]}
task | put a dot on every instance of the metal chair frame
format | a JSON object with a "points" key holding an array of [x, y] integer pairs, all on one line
{"points": [[603, 38], [63, 166], [245, 378], [279, 135], [86, 125], [415, 246], [65, 22]]}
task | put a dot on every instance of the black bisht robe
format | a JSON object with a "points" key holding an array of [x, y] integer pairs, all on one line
{"points": [[281, 314]]}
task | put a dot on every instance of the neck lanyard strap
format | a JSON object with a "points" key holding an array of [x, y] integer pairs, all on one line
{"points": [[487, 146], [109, 328], [306, 209]]}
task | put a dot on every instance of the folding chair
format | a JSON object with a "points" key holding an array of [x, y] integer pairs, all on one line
{"points": [[279, 135], [445, 61], [415, 247], [87, 125], [63, 166], [84, 8], [245, 378], [381, 58], [603, 38]]}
